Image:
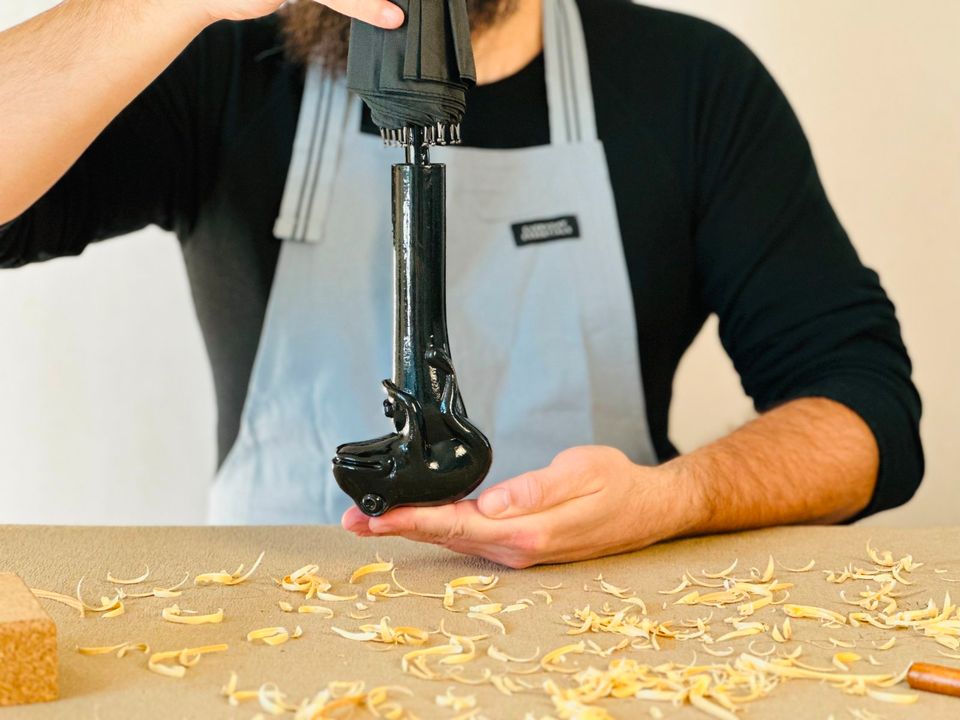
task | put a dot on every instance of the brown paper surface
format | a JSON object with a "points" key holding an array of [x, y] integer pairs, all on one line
{"points": [[108, 688]]}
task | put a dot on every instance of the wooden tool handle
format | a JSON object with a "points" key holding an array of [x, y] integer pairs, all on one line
{"points": [[934, 678]]}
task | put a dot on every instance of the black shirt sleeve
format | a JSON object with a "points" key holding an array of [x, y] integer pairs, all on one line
{"points": [[143, 169], [800, 315]]}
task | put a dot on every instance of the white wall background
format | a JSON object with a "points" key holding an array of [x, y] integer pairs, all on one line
{"points": [[106, 401]]}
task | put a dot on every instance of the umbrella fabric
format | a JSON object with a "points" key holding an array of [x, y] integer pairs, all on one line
{"points": [[418, 75]]}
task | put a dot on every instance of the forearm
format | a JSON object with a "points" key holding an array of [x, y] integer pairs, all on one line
{"points": [[808, 461], [65, 74]]}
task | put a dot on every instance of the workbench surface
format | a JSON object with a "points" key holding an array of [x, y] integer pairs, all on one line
{"points": [[107, 688]]}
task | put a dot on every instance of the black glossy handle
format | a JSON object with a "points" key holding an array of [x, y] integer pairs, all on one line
{"points": [[435, 455]]}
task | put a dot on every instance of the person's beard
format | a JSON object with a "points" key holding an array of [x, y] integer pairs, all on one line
{"points": [[314, 32]]}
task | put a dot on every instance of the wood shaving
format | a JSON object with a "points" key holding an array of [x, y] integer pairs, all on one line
{"points": [[610, 589], [726, 652], [498, 654], [316, 610], [118, 609], [466, 655], [457, 703], [723, 573], [414, 661], [131, 647], [806, 568], [891, 697], [547, 597], [515, 607], [777, 635], [272, 635], [443, 631], [746, 631], [382, 590], [305, 580], [106, 604], [175, 615], [121, 650], [225, 578], [841, 660], [168, 592], [684, 584], [552, 661], [132, 581], [377, 567], [814, 613], [407, 591], [487, 609], [331, 597], [490, 620], [187, 657], [60, 598], [358, 636]]}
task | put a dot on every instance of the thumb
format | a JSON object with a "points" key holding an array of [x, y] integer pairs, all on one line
{"points": [[373, 12], [526, 494]]}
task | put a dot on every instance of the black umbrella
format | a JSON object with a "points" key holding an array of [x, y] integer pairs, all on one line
{"points": [[416, 76], [415, 82]]}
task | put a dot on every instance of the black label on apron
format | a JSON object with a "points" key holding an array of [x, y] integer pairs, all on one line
{"points": [[538, 231]]}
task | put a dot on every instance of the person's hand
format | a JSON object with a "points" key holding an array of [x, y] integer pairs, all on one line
{"points": [[591, 501], [375, 12]]}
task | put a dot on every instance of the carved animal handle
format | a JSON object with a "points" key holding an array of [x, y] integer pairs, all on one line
{"points": [[436, 455]]}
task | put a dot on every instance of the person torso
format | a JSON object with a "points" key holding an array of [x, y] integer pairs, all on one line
{"points": [[231, 251]]}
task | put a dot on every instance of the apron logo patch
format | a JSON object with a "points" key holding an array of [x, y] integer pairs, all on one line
{"points": [[538, 231]]}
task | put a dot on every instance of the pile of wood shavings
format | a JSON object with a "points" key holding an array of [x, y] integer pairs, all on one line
{"points": [[566, 674], [712, 688], [715, 689], [333, 700]]}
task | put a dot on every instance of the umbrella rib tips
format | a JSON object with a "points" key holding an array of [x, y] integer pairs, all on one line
{"points": [[440, 134]]}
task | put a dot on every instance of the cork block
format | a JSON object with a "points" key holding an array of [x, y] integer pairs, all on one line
{"points": [[28, 646]]}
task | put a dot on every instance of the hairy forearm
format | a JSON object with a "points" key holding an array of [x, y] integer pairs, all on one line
{"points": [[65, 74], [809, 461]]}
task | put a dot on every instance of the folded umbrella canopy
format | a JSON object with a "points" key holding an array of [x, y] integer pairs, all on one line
{"points": [[416, 76]]}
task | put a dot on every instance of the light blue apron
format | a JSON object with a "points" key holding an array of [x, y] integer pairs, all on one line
{"points": [[540, 308]]}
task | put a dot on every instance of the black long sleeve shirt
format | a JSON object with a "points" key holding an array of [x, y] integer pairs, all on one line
{"points": [[720, 206]]}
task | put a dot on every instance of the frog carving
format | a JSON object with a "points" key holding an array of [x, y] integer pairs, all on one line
{"points": [[436, 456]]}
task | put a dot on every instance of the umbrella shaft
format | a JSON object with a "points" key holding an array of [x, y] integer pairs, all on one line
{"points": [[420, 322]]}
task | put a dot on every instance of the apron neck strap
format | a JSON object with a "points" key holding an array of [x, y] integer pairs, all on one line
{"points": [[569, 90]]}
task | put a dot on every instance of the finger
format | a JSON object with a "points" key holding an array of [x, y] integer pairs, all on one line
{"points": [[355, 521], [456, 526], [462, 528], [532, 492], [374, 12]]}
